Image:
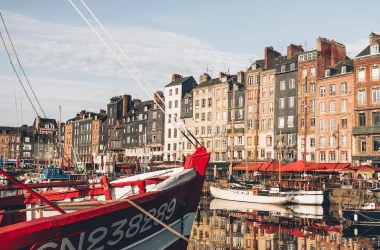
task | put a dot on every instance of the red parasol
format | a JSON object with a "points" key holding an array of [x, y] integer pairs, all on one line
{"points": [[68, 164], [18, 161], [101, 162]]}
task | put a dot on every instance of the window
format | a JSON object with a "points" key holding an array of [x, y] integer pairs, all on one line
{"points": [[209, 102], [322, 156], [196, 131], [154, 115], [250, 94], [322, 107], [175, 133], [203, 116], [290, 121], [292, 83], [312, 87], [250, 80], [304, 89], [170, 92], [344, 105], [374, 49], [327, 72], [209, 116], [271, 92], [312, 142], [312, 122], [362, 144], [312, 106], [304, 73], [343, 88], [291, 102], [249, 124], [224, 143], [332, 124], [332, 90], [257, 79], [332, 141], [322, 125], [270, 123], [265, 79], [263, 108], [169, 133], [332, 156], [312, 71], [344, 140], [290, 139], [217, 158], [361, 75], [271, 107], [240, 101], [376, 143], [302, 122], [281, 122], [263, 123], [322, 91], [271, 78], [203, 103], [344, 123], [140, 128], [376, 118], [218, 116], [375, 95], [303, 107], [283, 68], [362, 119], [361, 96], [322, 141], [282, 85], [203, 129], [344, 156], [292, 66], [332, 106], [209, 130], [249, 140], [176, 91], [282, 103], [250, 109]]}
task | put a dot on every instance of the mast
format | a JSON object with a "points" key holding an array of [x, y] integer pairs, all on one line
{"points": [[232, 130], [279, 163], [59, 137]]}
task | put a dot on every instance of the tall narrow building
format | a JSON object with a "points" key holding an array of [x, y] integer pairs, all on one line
{"points": [[366, 144]]}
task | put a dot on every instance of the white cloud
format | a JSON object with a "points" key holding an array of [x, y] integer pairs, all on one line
{"points": [[78, 71]]}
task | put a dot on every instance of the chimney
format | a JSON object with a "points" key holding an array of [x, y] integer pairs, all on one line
{"points": [[240, 77], [204, 77], [373, 37], [38, 120], [125, 107], [136, 102], [269, 55], [221, 75], [157, 96], [102, 112], [175, 77], [81, 114], [293, 50]]}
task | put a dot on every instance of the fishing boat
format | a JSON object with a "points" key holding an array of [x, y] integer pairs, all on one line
{"points": [[131, 222], [365, 214], [249, 196]]}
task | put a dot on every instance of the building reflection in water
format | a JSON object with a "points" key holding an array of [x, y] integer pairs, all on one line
{"points": [[264, 230]]}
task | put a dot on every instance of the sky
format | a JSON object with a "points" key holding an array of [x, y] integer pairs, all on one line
{"points": [[67, 64]]}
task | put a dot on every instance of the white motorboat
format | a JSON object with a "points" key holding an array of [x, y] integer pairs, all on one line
{"points": [[249, 196], [306, 197], [306, 211]]}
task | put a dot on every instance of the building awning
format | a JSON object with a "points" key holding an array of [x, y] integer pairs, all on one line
{"points": [[126, 165], [251, 166]]}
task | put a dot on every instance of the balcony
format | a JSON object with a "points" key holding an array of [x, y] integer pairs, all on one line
{"points": [[365, 130]]}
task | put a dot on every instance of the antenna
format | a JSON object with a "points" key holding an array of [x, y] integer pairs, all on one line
{"points": [[209, 70], [281, 49], [305, 45]]}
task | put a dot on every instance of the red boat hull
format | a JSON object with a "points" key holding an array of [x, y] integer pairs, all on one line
{"points": [[117, 225]]}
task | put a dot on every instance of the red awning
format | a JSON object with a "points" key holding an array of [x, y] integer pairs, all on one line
{"points": [[126, 165], [251, 166]]}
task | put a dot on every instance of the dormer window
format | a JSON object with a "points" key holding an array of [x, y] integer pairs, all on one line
{"points": [[344, 69], [236, 87], [374, 49], [47, 126], [254, 66], [146, 108], [186, 100], [283, 68], [327, 72]]}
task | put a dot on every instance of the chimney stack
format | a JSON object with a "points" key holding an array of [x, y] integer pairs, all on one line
{"points": [[293, 50], [221, 75], [205, 77], [175, 77], [81, 114], [136, 102], [240, 77], [38, 120], [102, 112], [373, 37], [157, 96], [269, 55]]}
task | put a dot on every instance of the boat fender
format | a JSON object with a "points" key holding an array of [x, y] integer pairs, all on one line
{"points": [[356, 231], [355, 217]]}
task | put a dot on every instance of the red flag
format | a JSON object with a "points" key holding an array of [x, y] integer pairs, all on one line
{"points": [[102, 162], [62, 163], [18, 161], [68, 164]]}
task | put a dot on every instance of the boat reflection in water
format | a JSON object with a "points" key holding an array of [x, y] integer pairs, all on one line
{"points": [[270, 226]]}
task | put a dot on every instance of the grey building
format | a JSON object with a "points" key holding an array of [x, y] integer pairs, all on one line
{"points": [[285, 108]]}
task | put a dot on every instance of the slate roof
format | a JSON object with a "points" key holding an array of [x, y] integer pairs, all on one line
{"points": [[367, 50], [44, 121], [214, 81], [337, 69], [259, 64], [179, 81]]}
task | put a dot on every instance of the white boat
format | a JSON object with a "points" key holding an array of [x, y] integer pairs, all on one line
{"points": [[305, 211], [248, 207], [248, 196]]}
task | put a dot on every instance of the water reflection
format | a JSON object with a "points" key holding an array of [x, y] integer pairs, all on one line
{"points": [[267, 226]]}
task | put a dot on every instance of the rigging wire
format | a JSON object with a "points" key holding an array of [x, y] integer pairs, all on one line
{"points": [[122, 63], [14, 87], [14, 69], [22, 112], [6, 29]]}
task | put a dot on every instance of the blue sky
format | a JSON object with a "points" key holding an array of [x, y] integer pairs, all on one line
{"points": [[63, 57]]}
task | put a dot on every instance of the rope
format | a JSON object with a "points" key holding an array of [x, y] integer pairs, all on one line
{"points": [[157, 220], [14, 87], [20, 65]]}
